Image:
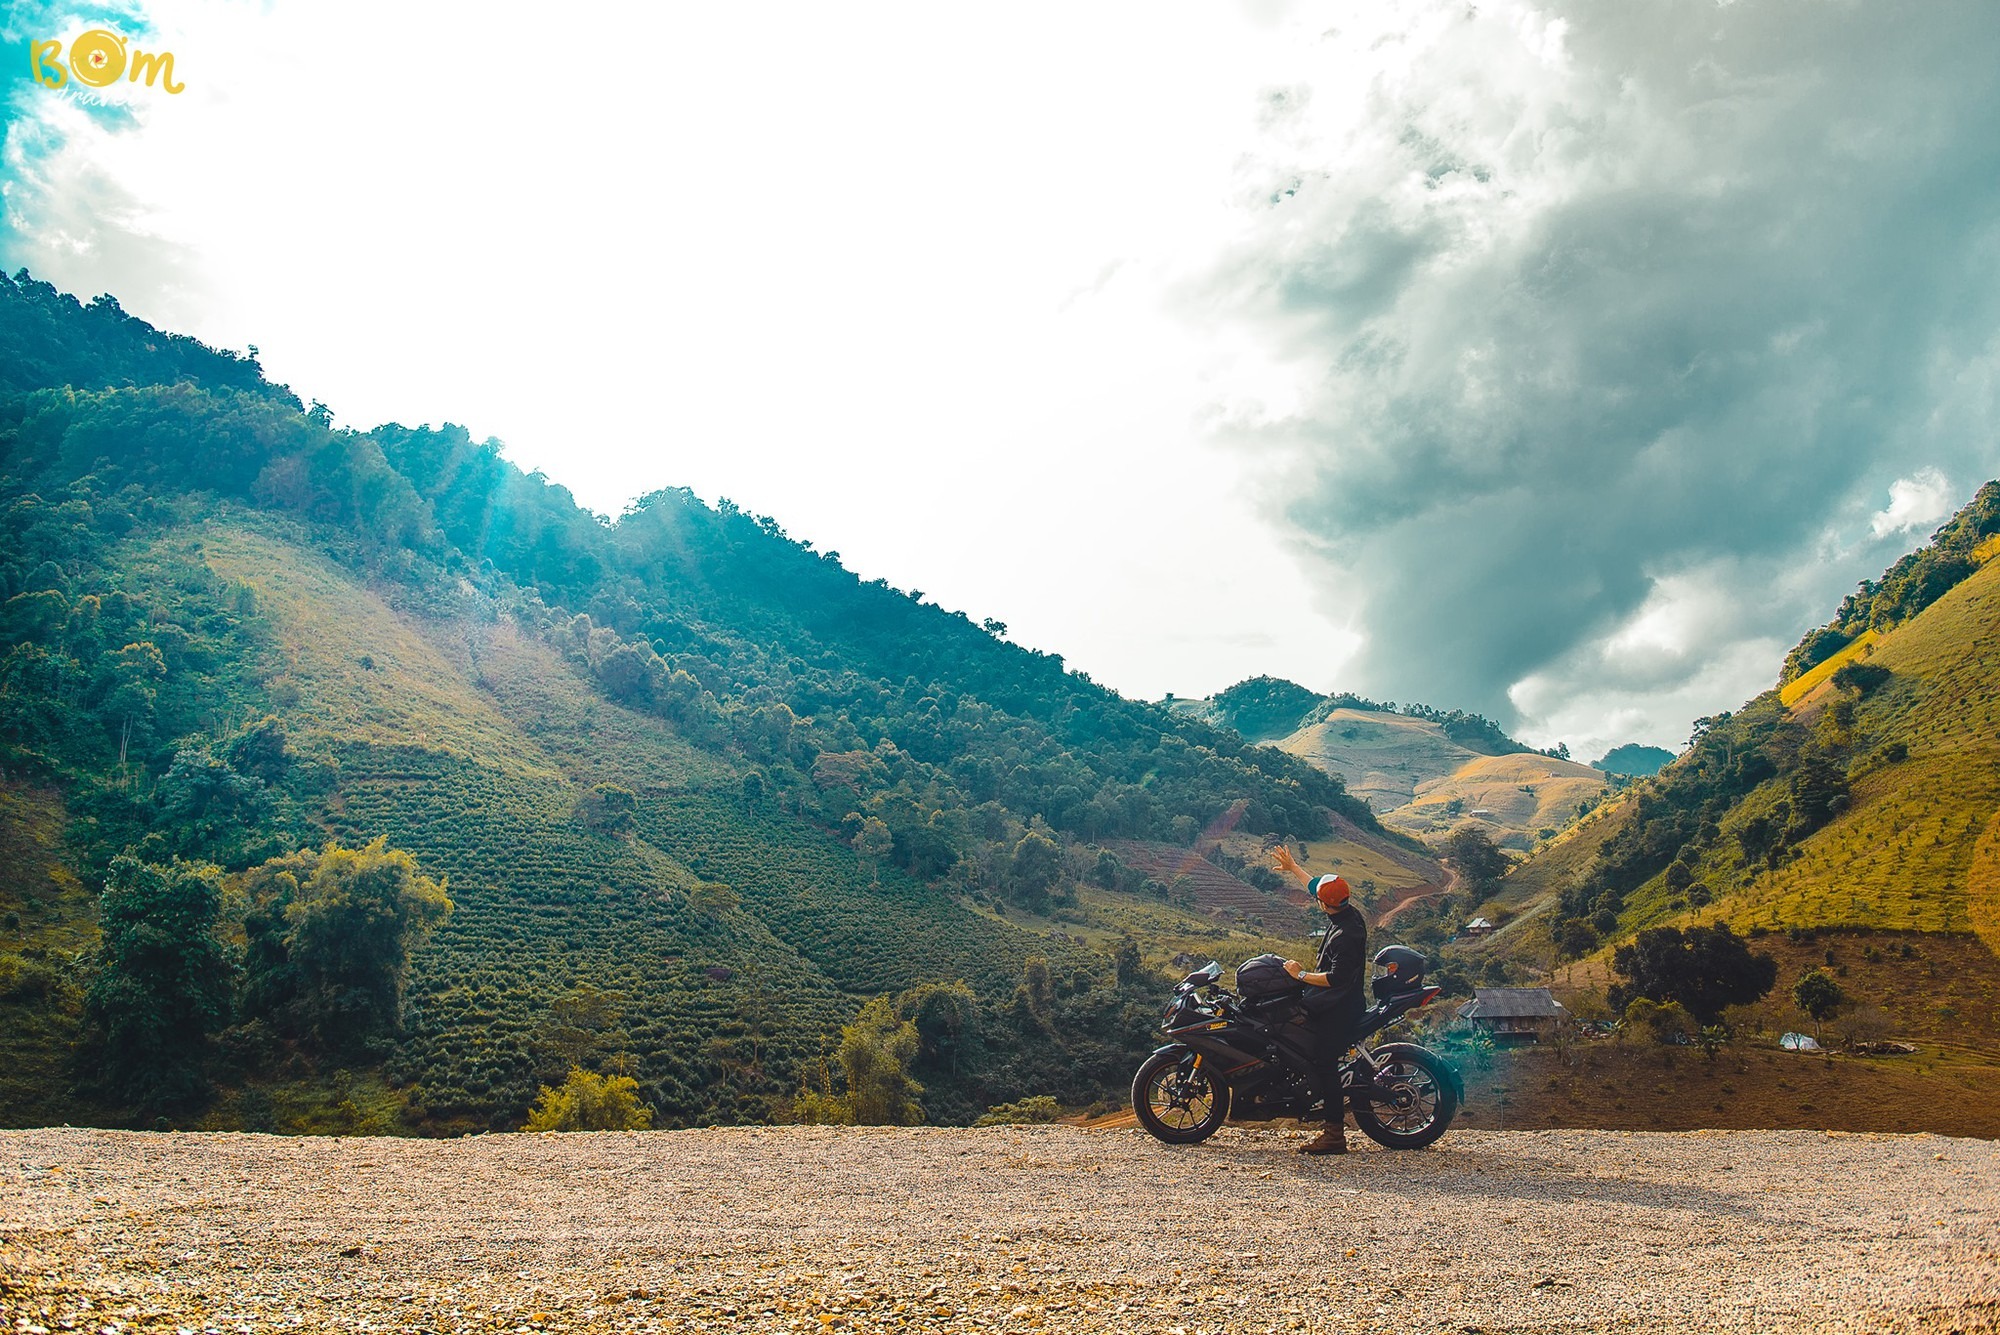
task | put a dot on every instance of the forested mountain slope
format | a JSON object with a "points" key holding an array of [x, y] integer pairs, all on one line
{"points": [[693, 789], [1861, 795]]}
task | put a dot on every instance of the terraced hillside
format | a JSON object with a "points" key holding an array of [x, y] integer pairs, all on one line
{"points": [[697, 794], [1850, 818]]}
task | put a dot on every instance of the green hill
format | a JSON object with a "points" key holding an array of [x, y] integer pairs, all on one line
{"points": [[1261, 709], [1862, 800], [1635, 760], [681, 772]]}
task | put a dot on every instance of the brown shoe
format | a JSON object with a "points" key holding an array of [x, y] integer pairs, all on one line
{"points": [[1330, 1140]]}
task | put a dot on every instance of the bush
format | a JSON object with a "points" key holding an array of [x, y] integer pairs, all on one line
{"points": [[22, 981], [1021, 1112], [1666, 1023], [587, 1101]]}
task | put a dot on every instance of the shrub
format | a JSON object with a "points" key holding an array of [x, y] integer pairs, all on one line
{"points": [[1663, 1022], [1036, 1108], [587, 1101], [875, 1056]]}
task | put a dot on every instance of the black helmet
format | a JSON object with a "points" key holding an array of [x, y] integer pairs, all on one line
{"points": [[1402, 970]]}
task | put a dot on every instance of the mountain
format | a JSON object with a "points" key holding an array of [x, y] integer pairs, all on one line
{"points": [[1860, 796], [695, 792], [1423, 771], [1634, 760], [1259, 709]]}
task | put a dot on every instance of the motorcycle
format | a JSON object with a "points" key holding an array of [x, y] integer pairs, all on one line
{"points": [[1247, 1057]]}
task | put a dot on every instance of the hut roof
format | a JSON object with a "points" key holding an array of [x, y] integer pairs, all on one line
{"points": [[1511, 1003]]}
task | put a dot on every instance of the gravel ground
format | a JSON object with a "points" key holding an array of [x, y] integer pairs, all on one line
{"points": [[920, 1229]]}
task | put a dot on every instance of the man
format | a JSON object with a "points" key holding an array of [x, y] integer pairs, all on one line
{"points": [[1335, 994]]}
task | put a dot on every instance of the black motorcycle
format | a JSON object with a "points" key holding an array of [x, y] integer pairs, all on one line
{"points": [[1247, 1057]]}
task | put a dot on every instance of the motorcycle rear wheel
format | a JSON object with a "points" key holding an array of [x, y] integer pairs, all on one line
{"points": [[1177, 1101], [1424, 1099]]}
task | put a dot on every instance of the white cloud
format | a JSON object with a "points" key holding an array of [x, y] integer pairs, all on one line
{"points": [[1915, 504]]}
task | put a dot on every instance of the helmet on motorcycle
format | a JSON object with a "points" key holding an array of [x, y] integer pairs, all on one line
{"points": [[1331, 891], [1402, 971]]}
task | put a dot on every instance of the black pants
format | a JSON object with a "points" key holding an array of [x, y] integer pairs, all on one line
{"points": [[1332, 1022]]}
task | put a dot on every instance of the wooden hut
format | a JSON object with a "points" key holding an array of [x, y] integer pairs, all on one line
{"points": [[1514, 1014]]}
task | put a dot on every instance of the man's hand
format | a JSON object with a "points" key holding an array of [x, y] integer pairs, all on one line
{"points": [[1282, 859], [1293, 968]]}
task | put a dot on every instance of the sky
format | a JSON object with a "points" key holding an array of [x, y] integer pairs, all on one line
{"points": [[1559, 361]]}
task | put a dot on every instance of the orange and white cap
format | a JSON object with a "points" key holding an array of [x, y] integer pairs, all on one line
{"points": [[1331, 891]]}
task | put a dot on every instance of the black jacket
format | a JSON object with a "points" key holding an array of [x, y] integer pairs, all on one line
{"points": [[1343, 953]]}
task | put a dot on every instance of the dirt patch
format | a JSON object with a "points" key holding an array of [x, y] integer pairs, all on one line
{"points": [[1644, 1087], [845, 1229]]}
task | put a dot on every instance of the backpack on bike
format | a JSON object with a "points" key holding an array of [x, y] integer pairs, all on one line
{"points": [[1264, 976]]}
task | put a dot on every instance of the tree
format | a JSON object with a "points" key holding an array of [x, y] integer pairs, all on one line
{"points": [[714, 898], [945, 1015], [162, 985], [873, 842], [261, 750], [1819, 793], [1033, 867], [1818, 995], [582, 1025], [875, 1054], [1704, 969], [1663, 1022], [608, 808], [207, 809], [128, 684], [331, 937], [1575, 937], [1476, 860], [587, 1101], [1127, 965]]}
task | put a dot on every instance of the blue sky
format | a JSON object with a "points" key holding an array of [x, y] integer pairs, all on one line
{"points": [[1560, 361]]}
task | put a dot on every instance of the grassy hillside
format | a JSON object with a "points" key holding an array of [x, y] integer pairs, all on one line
{"points": [[1525, 797], [1380, 757], [681, 774], [1421, 782], [1846, 821], [1914, 848]]}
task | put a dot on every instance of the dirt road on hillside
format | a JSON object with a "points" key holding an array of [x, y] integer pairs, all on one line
{"points": [[1008, 1229]]}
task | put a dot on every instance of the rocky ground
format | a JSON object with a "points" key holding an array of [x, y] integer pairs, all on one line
{"points": [[1006, 1229]]}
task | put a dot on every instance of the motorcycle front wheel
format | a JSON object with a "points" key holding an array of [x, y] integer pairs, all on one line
{"points": [[1177, 1101], [1416, 1102]]}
